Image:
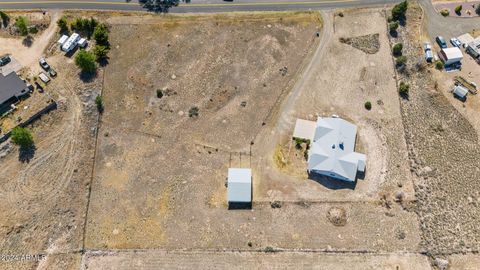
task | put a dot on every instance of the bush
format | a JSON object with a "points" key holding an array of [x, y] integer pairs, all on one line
{"points": [[458, 9], [445, 12], [86, 61], [397, 49], [99, 103], [401, 60], [439, 65], [193, 112], [100, 34], [403, 88], [22, 137], [33, 30], [159, 93], [393, 26], [399, 11], [477, 10], [5, 18], [21, 23], [101, 52], [62, 24], [368, 105]]}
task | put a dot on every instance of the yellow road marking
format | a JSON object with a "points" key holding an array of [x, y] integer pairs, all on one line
{"points": [[182, 5]]}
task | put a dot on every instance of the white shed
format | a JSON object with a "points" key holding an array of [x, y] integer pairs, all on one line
{"points": [[239, 187], [451, 55], [304, 129], [460, 92]]}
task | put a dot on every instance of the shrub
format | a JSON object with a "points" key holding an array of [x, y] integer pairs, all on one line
{"points": [[477, 10], [33, 30], [62, 24], [193, 112], [393, 26], [86, 61], [458, 9], [368, 105], [159, 93], [5, 18], [403, 88], [100, 34], [397, 49], [22, 137], [399, 10], [445, 12], [439, 65], [401, 60], [21, 23], [101, 52], [99, 103]]}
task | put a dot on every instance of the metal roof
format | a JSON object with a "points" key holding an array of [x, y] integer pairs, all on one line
{"points": [[11, 86], [239, 185], [304, 129], [332, 150], [452, 53]]}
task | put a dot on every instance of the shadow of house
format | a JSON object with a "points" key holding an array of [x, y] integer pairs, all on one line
{"points": [[331, 182]]}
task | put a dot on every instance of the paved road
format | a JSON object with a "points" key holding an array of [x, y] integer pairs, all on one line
{"points": [[195, 5], [447, 27]]}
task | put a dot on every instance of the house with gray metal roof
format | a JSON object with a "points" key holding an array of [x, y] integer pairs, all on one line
{"points": [[12, 87], [332, 150]]}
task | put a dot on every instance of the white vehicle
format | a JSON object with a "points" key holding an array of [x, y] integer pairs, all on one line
{"points": [[82, 43], [44, 77], [71, 42]]}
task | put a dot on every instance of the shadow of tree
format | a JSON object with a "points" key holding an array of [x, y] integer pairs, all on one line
{"points": [[86, 76], [26, 153], [27, 41]]}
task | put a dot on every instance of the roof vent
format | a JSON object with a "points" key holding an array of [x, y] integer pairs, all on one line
{"points": [[333, 146], [341, 145]]}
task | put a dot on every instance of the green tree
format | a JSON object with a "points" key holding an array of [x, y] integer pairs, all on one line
{"points": [[22, 25], [101, 52], [62, 24], [458, 10], [401, 60], [86, 61], [439, 65], [393, 26], [445, 12], [399, 11], [99, 103], [403, 88], [160, 5], [22, 137], [84, 25], [100, 34], [368, 105], [397, 49], [5, 18]]}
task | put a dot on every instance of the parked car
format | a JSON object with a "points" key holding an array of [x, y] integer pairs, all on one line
{"points": [[455, 42], [5, 60], [39, 87], [44, 77], [52, 73], [441, 42], [427, 46], [44, 64]]}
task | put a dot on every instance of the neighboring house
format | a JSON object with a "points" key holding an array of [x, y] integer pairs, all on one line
{"points": [[473, 48], [332, 148], [239, 193], [11, 88], [451, 56]]}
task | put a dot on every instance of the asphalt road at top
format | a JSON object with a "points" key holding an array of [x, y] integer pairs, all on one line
{"points": [[195, 5]]}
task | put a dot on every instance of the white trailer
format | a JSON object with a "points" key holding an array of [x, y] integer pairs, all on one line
{"points": [[71, 42], [62, 40]]}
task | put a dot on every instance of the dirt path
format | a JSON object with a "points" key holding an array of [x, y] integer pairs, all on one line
{"points": [[28, 57]]}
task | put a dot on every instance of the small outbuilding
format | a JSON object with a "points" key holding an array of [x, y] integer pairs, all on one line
{"points": [[451, 56], [304, 129], [473, 48], [465, 39], [460, 92], [239, 194], [62, 40]]}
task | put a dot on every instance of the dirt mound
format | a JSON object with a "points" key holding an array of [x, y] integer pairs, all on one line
{"points": [[337, 216], [368, 44]]}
